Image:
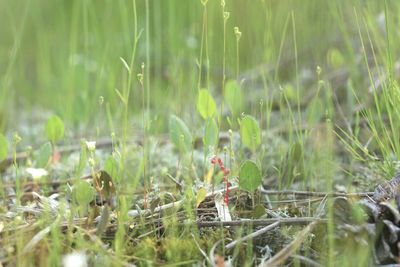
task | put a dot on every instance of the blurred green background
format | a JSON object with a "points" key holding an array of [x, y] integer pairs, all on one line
{"points": [[60, 56]]}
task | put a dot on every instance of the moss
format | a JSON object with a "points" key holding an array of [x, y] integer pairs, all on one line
{"points": [[177, 250], [146, 251]]}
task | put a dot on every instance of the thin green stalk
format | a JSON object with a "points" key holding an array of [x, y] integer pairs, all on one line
{"points": [[278, 62], [225, 16], [145, 185], [123, 205], [147, 77], [388, 46], [203, 34], [238, 35]]}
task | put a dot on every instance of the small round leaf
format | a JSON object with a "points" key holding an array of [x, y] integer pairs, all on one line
{"points": [[201, 196], [233, 97], [54, 129], [206, 104], [83, 193], [249, 176], [250, 132]]}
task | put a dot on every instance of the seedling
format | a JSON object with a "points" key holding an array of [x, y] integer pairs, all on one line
{"points": [[55, 132], [249, 177], [83, 193], [54, 129]]}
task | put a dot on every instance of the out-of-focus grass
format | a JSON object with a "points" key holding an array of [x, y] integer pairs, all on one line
{"points": [[63, 55]]}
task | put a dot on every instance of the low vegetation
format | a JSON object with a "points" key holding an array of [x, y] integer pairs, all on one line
{"points": [[199, 133]]}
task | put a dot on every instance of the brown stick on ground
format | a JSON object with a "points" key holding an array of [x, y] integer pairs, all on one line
{"points": [[261, 222], [253, 235], [319, 194]]}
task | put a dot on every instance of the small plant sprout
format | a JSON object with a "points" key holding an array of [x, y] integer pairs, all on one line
{"points": [[91, 147], [249, 177], [226, 16], [238, 35], [16, 140], [55, 132], [83, 193], [215, 160], [54, 129]]}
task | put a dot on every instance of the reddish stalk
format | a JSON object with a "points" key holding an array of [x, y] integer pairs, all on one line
{"points": [[216, 160]]}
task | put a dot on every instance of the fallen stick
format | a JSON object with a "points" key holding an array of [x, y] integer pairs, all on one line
{"points": [[253, 235], [318, 194], [146, 212], [261, 222]]}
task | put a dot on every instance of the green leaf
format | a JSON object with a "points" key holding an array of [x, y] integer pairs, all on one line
{"points": [[83, 193], [250, 132], [249, 176], [258, 211], [233, 97], [54, 129], [179, 134], [210, 134], [201, 195], [3, 147], [335, 58], [206, 104], [43, 155]]}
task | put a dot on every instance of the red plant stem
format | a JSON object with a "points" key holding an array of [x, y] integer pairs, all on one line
{"points": [[226, 171]]}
